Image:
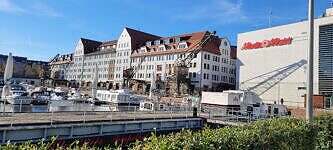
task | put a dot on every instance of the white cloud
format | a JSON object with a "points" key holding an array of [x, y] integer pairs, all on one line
{"points": [[9, 7], [36, 8], [219, 11]]}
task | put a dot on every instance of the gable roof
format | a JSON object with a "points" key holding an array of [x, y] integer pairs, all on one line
{"points": [[138, 38], [90, 45]]}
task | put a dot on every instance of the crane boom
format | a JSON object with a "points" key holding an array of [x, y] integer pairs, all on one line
{"points": [[181, 64], [187, 60], [129, 73]]}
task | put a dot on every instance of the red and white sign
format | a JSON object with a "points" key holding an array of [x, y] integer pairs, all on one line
{"points": [[267, 43]]}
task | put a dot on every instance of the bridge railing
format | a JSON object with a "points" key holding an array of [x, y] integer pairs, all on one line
{"points": [[229, 114], [127, 113]]}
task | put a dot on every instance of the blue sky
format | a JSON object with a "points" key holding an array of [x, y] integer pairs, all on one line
{"points": [[39, 29]]}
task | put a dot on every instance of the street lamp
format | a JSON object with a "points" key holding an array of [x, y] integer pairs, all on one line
{"points": [[309, 95]]}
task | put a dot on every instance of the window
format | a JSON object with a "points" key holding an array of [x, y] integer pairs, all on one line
{"points": [[157, 42], [225, 43], [190, 74], [161, 48], [213, 77], [206, 66], [216, 68], [159, 68], [148, 43], [194, 65], [182, 46], [207, 56], [167, 41], [194, 75], [177, 39], [206, 76]]}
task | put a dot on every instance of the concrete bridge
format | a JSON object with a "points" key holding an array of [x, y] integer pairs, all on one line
{"points": [[20, 127]]}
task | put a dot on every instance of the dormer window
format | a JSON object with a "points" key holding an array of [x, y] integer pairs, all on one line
{"points": [[161, 48], [177, 39], [143, 50], [157, 42], [166, 41], [225, 43], [148, 43], [182, 45]]}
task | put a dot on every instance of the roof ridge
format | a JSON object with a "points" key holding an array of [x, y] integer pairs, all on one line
{"points": [[109, 41], [134, 30], [189, 33], [90, 40]]}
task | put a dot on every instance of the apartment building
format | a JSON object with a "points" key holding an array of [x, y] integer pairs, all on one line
{"points": [[128, 41], [212, 69], [89, 56]]}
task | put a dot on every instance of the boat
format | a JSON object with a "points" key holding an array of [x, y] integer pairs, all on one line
{"points": [[123, 97], [41, 97], [16, 95], [76, 97], [59, 98], [147, 106]]}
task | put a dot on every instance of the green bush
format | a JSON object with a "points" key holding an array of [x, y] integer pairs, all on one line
{"points": [[324, 126], [52, 145], [282, 133]]}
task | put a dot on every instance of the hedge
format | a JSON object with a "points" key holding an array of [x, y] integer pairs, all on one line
{"points": [[279, 133]]}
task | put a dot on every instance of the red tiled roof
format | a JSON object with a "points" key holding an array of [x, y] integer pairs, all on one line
{"points": [[192, 40]]}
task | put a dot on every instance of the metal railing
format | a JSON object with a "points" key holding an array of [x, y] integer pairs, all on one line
{"points": [[126, 113], [232, 115]]}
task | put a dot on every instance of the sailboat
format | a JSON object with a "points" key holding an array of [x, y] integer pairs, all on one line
{"points": [[12, 93]]}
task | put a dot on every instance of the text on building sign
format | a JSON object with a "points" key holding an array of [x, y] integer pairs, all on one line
{"points": [[267, 43]]}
